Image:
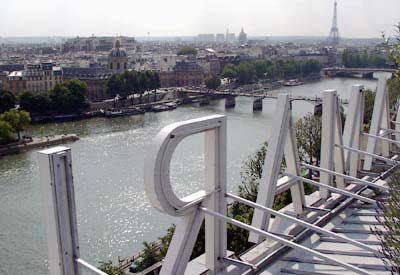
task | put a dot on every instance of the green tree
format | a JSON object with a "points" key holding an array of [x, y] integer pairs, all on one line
{"points": [[308, 135], [151, 255], [68, 97], [18, 120], [389, 219], [76, 96], [362, 59], [6, 134], [166, 240], [7, 101], [187, 51], [38, 103], [110, 269], [212, 82], [114, 85], [246, 73], [153, 82], [368, 106], [230, 71]]}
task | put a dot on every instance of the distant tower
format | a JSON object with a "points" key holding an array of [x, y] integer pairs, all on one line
{"points": [[334, 34], [242, 37], [118, 59]]}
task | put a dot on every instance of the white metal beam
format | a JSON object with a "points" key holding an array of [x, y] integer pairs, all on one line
{"points": [[353, 127], [328, 139], [380, 110], [272, 165], [334, 189], [338, 153], [303, 223], [55, 170], [354, 179], [88, 267], [291, 244], [161, 194], [215, 179], [388, 140]]}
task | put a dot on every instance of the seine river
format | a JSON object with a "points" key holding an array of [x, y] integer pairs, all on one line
{"points": [[114, 214]]}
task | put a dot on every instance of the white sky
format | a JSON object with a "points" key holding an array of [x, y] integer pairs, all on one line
{"points": [[357, 18]]}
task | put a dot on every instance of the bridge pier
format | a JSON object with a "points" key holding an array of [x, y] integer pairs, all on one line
{"points": [[204, 101], [258, 104], [369, 75], [230, 102]]}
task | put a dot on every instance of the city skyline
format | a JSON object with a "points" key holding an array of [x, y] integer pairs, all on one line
{"points": [[357, 18]]}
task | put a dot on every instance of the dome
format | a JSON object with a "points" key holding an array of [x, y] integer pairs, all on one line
{"points": [[117, 51]]}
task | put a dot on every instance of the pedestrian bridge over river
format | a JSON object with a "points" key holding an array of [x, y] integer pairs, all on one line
{"points": [[203, 97], [365, 72], [327, 232]]}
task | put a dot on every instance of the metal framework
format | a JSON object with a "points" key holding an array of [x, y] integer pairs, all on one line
{"points": [[334, 33], [380, 120], [340, 163]]}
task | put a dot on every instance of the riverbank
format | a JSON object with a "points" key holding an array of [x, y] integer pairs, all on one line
{"points": [[19, 147]]}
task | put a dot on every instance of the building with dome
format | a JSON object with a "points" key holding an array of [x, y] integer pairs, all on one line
{"points": [[242, 37], [118, 59]]}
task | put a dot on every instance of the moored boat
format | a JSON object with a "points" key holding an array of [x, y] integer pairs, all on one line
{"points": [[123, 112], [292, 82]]}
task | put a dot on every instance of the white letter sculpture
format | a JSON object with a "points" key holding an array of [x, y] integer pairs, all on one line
{"points": [[161, 195]]}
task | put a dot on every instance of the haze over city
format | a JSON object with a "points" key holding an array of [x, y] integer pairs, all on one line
{"points": [[357, 18], [171, 137]]}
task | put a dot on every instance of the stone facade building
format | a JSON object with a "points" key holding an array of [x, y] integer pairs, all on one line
{"points": [[94, 77], [118, 59], [35, 78], [185, 73]]}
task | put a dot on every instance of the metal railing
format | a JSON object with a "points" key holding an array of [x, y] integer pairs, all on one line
{"points": [[340, 159]]}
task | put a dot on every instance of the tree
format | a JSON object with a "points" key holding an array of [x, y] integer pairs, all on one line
{"points": [[229, 71], [76, 94], [114, 85], [7, 101], [58, 97], [18, 120], [389, 219], [38, 103], [362, 60], [187, 51], [212, 82], [110, 269], [6, 134], [389, 216], [151, 255], [68, 97], [308, 135], [246, 73], [368, 106], [166, 240]]}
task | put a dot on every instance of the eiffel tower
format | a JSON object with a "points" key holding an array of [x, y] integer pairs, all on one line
{"points": [[334, 34]]}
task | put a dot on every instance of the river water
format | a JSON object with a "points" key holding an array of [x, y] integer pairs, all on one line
{"points": [[114, 215]]}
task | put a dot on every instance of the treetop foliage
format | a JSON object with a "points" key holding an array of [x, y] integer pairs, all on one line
{"points": [[7, 101], [212, 82], [187, 51], [68, 97], [132, 82], [362, 60], [13, 121], [248, 71]]}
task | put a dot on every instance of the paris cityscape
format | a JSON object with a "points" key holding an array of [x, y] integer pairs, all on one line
{"points": [[200, 138]]}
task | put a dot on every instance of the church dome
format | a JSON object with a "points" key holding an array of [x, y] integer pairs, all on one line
{"points": [[117, 51]]}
